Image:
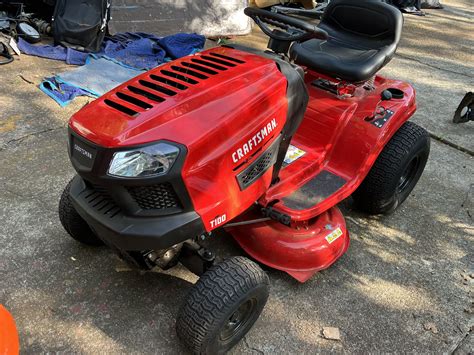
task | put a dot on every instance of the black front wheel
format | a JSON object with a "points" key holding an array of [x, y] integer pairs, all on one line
{"points": [[222, 306], [395, 172]]}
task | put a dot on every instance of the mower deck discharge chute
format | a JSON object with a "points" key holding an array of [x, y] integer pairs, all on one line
{"points": [[262, 144]]}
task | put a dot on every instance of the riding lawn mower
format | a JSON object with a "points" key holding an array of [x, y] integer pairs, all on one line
{"points": [[262, 144]]}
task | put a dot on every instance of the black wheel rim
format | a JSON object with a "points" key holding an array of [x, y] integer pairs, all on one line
{"points": [[238, 320], [408, 175]]}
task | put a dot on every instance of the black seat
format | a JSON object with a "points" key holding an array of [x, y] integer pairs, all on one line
{"points": [[363, 37]]}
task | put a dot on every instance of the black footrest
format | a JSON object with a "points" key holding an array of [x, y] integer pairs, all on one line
{"points": [[314, 191]]}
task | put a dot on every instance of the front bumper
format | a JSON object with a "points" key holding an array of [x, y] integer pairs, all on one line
{"points": [[131, 232]]}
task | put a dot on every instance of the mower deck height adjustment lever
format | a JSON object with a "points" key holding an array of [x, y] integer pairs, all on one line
{"points": [[271, 213]]}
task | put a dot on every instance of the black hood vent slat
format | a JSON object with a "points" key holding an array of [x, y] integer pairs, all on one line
{"points": [[179, 76], [189, 72], [209, 64], [169, 82], [199, 67], [133, 100], [121, 108], [175, 78], [157, 87], [219, 61], [227, 58], [145, 93]]}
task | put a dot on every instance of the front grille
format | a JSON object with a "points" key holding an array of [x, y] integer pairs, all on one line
{"points": [[98, 198], [258, 167], [155, 197]]}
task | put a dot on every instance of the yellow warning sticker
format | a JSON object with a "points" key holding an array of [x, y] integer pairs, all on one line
{"points": [[331, 237]]}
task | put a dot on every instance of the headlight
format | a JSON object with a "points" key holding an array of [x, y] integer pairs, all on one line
{"points": [[152, 160]]}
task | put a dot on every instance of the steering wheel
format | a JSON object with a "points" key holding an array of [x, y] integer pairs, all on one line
{"points": [[294, 29]]}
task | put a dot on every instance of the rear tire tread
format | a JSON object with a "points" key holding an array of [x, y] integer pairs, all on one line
{"points": [[377, 188]]}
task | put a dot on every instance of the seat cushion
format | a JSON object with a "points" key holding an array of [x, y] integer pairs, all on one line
{"points": [[341, 60], [363, 37]]}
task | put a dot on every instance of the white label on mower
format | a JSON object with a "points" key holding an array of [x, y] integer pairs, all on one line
{"points": [[293, 153], [218, 221], [331, 237]]}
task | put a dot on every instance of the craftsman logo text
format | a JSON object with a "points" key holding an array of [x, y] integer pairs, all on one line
{"points": [[254, 141], [83, 151]]}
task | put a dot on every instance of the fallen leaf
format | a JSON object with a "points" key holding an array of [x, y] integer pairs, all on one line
{"points": [[430, 326], [331, 333]]}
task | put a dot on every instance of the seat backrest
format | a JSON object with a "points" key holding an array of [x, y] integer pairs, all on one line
{"points": [[373, 22]]}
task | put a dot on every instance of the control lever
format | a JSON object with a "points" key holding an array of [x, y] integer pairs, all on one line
{"points": [[381, 115]]}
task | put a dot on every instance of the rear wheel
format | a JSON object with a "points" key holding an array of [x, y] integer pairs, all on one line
{"points": [[395, 172], [222, 306], [73, 223]]}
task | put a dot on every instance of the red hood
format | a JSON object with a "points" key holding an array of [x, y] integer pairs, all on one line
{"points": [[181, 101]]}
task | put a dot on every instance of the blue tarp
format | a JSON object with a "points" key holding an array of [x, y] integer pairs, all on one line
{"points": [[70, 56], [62, 93], [137, 50], [121, 57], [95, 78]]}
